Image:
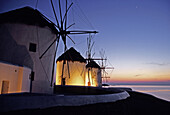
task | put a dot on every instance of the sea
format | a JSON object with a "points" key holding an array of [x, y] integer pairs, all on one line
{"points": [[159, 91]]}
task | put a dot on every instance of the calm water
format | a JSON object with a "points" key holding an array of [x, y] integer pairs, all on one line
{"points": [[160, 91]]}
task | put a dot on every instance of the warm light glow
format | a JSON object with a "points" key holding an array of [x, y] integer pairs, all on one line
{"points": [[19, 82], [90, 79], [74, 76], [86, 79], [78, 74]]}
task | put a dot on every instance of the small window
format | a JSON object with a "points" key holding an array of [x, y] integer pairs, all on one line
{"points": [[32, 47]]}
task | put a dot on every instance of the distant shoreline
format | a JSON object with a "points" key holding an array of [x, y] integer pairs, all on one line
{"points": [[160, 91]]}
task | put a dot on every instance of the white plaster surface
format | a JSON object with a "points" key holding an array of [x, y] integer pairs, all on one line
{"points": [[17, 76]]}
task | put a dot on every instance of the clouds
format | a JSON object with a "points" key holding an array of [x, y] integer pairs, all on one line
{"points": [[138, 75], [158, 64]]}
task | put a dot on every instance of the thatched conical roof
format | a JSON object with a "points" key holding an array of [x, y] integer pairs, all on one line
{"points": [[92, 64], [71, 55]]}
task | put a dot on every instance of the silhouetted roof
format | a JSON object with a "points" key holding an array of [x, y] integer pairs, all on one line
{"points": [[92, 64], [26, 15], [71, 55]]}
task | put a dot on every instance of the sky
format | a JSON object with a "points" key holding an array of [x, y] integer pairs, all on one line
{"points": [[135, 34]]}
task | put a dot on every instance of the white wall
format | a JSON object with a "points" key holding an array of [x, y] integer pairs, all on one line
{"points": [[17, 49], [17, 76], [99, 78], [94, 76], [77, 73]]}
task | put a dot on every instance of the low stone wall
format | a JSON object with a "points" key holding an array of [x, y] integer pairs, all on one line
{"points": [[11, 102]]}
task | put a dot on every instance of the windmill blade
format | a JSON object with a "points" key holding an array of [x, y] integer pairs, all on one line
{"points": [[64, 41], [63, 65], [106, 72], [55, 14], [93, 54], [54, 62], [102, 53], [67, 10], [49, 47], [70, 26], [106, 62], [65, 17], [81, 32], [60, 15], [49, 20], [91, 46], [71, 39], [87, 42], [68, 69], [62, 73], [99, 63]]}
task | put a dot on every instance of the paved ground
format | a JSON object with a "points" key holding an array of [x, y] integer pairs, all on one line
{"points": [[136, 104], [67, 96]]}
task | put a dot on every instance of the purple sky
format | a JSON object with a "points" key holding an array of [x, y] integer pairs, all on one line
{"points": [[135, 34]]}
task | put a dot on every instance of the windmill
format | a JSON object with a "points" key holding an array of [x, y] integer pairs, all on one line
{"points": [[63, 33], [91, 63], [103, 66], [89, 57], [103, 60]]}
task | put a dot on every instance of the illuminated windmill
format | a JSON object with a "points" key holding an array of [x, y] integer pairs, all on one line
{"points": [[63, 32], [93, 69], [92, 64]]}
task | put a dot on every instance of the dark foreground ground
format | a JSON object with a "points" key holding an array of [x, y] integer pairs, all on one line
{"points": [[136, 104]]}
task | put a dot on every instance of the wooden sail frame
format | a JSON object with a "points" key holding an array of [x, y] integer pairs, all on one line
{"points": [[63, 33]]}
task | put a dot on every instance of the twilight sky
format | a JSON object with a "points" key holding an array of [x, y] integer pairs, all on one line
{"points": [[135, 34]]}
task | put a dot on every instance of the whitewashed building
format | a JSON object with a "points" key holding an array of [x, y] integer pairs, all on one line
{"points": [[76, 72], [94, 73], [25, 34], [74, 69]]}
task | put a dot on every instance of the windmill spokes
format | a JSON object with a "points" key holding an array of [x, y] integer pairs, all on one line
{"points": [[57, 39], [65, 17], [60, 14], [81, 32], [63, 32], [70, 26], [71, 39], [104, 66], [67, 9], [62, 27], [54, 62], [55, 14]]}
